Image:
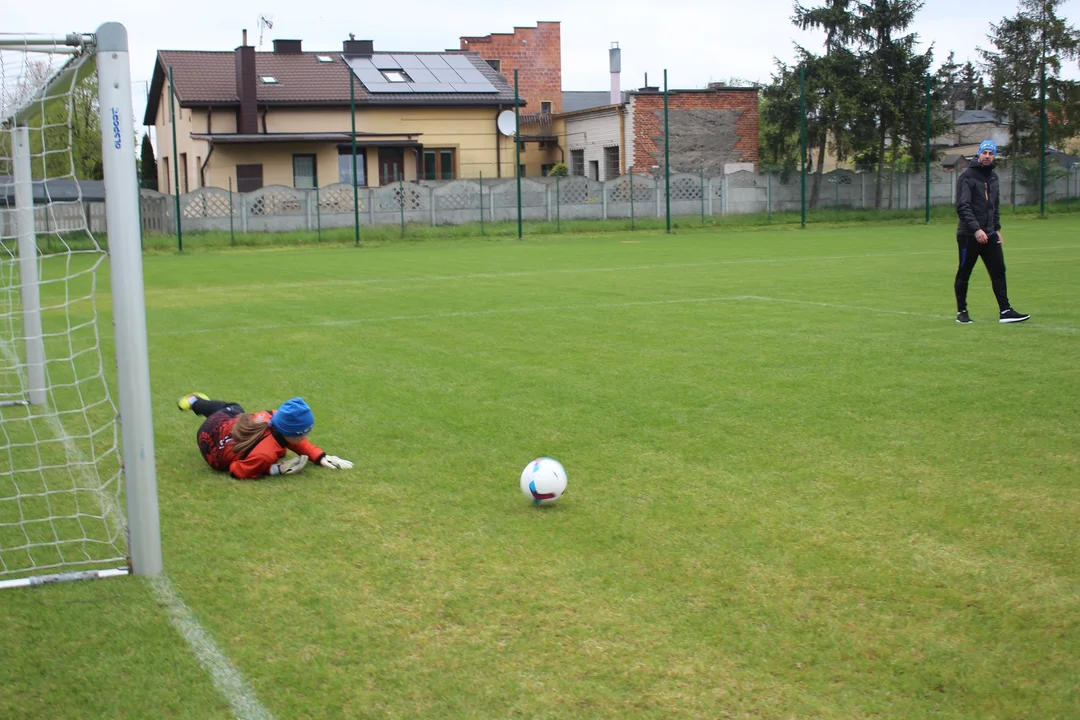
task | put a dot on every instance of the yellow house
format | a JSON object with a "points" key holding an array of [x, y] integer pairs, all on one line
{"points": [[249, 119]]}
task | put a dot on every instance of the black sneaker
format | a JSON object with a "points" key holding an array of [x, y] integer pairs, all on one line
{"points": [[963, 318], [1011, 316]]}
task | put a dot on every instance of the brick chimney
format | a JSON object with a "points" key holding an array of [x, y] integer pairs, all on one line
{"points": [[288, 47], [352, 46], [247, 115]]}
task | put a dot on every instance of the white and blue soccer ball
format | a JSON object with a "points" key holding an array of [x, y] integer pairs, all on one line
{"points": [[543, 481]]}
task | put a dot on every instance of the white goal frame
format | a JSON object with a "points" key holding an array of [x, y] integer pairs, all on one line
{"points": [[109, 46]]}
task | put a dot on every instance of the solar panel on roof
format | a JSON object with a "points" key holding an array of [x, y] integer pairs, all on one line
{"points": [[457, 61], [408, 62], [389, 88], [421, 75], [385, 62], [471, 75], [425, 73], [446, 75], [433, 62], [432, 87]]}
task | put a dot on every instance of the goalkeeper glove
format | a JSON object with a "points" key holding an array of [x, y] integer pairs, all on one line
{"points": [[335, 463], [289, 466]]}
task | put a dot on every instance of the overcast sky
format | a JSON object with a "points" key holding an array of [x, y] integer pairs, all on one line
{"points": [[697, 41]]}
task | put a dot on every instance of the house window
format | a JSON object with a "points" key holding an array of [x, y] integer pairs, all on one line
{"points": [[611, 163], [496, 65], [184, 172], [303, 171], [438, 164], [249, 177], [521, 171], [168, 178], [545, 107], [325, 58], [545, 170], [395, 76], [521, 146], [345, 166], [199, 171], [269, 79], [594, 169], [577, 162]]}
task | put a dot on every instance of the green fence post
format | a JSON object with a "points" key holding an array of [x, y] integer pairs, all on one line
{"points": [[318, 211], [702, 196], [176, 166], [232, 234], [802, 141], [927, 158], [355, 178], [401, 199], [667, 157], [632, 217], [482, 203], [517, 147], [558, 205]]}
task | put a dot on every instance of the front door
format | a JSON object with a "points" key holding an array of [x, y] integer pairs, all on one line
{"points": [[391, 165]]}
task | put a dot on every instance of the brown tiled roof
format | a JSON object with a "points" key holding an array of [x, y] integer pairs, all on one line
{"points": [[209, 78]]}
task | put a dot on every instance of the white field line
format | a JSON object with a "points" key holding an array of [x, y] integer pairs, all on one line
{"points": [[228, 681], [561, 308], [308, 284], [226, 678]]}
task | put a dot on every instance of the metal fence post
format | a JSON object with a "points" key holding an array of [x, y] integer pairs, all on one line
{"points": [[232, 233]]}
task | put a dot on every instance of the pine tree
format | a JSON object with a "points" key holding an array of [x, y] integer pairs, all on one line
{"points": [[148, 164]]}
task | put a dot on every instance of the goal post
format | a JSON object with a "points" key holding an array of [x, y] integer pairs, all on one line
{"points": [[74, 456]]}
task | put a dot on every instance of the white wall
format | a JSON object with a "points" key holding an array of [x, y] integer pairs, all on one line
{"points": [[592, 133]]}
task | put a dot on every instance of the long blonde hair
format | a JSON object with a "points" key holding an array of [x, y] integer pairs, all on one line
{"points": [[246, 434]]}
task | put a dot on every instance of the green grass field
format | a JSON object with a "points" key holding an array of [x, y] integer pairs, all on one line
{"points": [[798, 489]]}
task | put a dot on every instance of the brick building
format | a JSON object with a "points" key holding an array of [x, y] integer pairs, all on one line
{"points": [[711, 129], [605, 134], [536, 53]]}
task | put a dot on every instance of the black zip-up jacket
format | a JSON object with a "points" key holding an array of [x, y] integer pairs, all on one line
{"points": [[977, 202]]}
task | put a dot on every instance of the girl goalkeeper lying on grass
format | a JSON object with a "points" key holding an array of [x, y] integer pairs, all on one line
{"points": [[251, 445]]}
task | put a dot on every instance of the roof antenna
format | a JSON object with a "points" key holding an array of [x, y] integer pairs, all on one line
{"points": [[265, 21]]}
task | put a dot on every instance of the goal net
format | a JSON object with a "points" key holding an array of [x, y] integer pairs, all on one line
{"points": [[72, 354]]}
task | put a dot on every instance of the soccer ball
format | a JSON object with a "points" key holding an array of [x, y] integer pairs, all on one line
{"points": [[543, 481]]}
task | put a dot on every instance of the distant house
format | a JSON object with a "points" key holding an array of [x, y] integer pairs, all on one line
{"points": [[251, 119], [971, 127]]}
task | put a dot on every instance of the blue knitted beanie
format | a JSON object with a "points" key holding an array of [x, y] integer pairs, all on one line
{"points": [[294, 418]]}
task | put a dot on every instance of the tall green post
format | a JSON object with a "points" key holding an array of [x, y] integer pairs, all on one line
{"points": [[232, 234], [482, 202], [928, 126], [355, 177], [176, 165], [1042, 142], [517, 147], [633, 225], [802, 141], [667, 158], [702, 196]]}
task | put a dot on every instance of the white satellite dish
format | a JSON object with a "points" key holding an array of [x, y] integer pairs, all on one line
{"points": [[506, 122]]}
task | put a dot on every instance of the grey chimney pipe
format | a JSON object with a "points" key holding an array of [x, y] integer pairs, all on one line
{"points": [[615, 61]]}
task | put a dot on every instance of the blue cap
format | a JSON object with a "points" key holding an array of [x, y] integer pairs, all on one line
{"points": [[294, 418], [988, 145]]}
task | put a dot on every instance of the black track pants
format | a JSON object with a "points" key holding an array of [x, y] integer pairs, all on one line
{"points": [[994, 260]]}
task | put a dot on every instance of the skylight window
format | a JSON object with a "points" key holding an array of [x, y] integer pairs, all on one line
{"points": [[395, 76], [269, 80], [325, 58]]}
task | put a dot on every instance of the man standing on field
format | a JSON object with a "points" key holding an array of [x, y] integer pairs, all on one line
{"points": [[979, 233]]}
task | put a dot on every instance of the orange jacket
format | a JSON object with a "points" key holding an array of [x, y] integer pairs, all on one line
{"points": [[267, 452]]}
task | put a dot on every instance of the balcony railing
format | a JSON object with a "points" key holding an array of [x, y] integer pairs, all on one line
{"points": [[535, 125]]}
